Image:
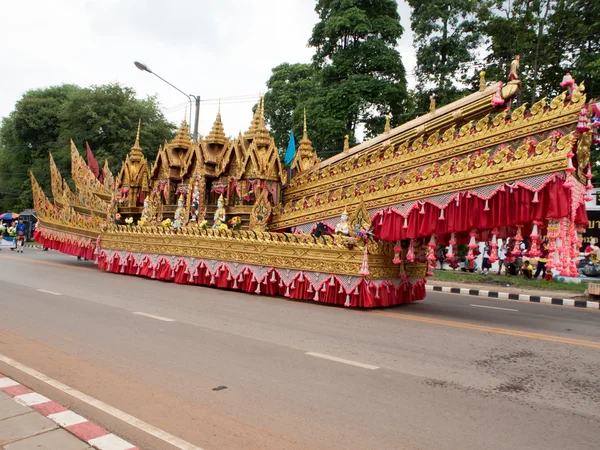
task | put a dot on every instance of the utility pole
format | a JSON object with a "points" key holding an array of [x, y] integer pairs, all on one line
{"points": [[143, 67]]}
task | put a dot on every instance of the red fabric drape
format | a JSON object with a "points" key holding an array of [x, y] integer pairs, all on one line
{"points": [[68, 247], [505, 209], [364, 295]]}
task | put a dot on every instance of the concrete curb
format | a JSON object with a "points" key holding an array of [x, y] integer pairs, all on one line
{"points": [[79, 426], [510, 296]]}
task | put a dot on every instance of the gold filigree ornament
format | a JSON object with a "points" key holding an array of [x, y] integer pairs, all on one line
{"points": [[261, 213]]}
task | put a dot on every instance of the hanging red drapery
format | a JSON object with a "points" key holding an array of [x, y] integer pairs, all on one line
{"points": [[506, 208]]}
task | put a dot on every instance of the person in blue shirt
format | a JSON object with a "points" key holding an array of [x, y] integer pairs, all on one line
{"points": [[21, 230]]}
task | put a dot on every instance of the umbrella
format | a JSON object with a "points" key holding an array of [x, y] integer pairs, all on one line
{"points": [[9, 216]]}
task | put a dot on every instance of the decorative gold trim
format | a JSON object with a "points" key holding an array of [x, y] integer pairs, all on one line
{"points": [[479, 169], [285, 251]]}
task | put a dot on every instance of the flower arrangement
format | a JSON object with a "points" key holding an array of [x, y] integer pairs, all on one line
{"points": [[203, 224], [166, 223], [129, 221], [235, 222], [141, 222], [117, 219], [350, 243], [222, 227], [249, 197], [363, 233]]}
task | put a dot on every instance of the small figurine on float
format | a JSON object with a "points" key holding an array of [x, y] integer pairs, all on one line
{"points": [[220, 216], [195, 203], [342, 227], [179, 217]]}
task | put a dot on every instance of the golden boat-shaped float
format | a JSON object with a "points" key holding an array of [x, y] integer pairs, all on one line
{"points": [[474, 170]]}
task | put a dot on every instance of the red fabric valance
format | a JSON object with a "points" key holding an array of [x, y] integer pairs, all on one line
{"points": [[504, 209]]}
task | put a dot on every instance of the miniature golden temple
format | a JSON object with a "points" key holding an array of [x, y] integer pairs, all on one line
{"points": [[359, 229]]}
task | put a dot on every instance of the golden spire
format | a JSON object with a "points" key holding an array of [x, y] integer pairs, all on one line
{"points": [[261, 134], [305, 135], [482, 82], [346, 144], [388, 127], [305, 144], [306, 157], [249, 134], [182, 138], [217, 133], [136, 151]]}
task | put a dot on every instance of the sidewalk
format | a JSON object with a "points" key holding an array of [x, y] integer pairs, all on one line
{"points": [[31, 421]]}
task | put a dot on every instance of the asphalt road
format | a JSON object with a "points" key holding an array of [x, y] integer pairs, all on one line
{"points": [[446, 373]]}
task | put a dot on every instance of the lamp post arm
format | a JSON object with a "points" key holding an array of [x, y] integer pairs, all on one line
{"points": [[173, 86]]}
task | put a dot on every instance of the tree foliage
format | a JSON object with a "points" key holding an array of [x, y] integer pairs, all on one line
{"points": [[357, 76], [447, 33], [44, 120]]}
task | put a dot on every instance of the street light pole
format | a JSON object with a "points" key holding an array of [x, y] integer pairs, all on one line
{"points": [[144, 68]]}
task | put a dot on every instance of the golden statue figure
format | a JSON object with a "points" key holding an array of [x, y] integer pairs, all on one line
{"points": [[514, 70], [220, 214], [180, 212]]}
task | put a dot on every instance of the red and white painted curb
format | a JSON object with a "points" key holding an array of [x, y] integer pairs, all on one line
{"points": [[75, 424]]}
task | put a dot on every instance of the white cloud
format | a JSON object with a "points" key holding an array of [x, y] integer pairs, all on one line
{"points": [[216, 49]]}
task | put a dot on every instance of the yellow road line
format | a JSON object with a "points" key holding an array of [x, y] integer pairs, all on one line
{"points": [[504, 331], [47, 263]]}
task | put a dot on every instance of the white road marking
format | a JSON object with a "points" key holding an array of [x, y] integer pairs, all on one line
{"points": [[133, 421], [152, 316], [344, 361], [495, 307], [49, 292]]}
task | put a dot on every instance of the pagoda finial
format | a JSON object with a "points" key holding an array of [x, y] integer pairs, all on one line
{"points": [[182, 138], [305, 128], [217, 133], [249, 134], [261, 134], [137, 135], [388, 127], [306, 157], [431, 104], [346, 144]]}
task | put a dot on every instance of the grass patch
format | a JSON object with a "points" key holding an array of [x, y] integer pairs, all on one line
{"points": [[502, 280]]}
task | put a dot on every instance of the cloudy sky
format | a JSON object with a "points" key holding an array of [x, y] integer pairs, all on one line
{"points": [[215, 49]]}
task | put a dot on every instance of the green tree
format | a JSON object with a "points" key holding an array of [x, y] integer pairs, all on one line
{"points": [[289, 86], [45, 119], [520, 27], [362, 71], [574, 29], [447, 33]]}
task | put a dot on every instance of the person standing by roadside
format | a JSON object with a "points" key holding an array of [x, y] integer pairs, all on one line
{"points": [[501, 256], [12, 235], [21, 230], [541, 265], [486, 259]]}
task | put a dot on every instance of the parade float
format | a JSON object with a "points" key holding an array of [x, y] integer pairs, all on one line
{"points": [[359, 229]]}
